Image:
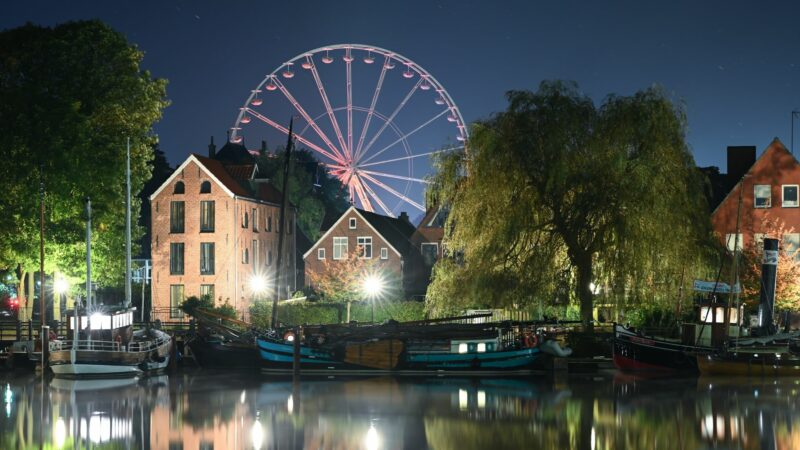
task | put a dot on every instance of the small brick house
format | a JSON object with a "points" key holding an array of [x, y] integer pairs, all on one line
{"points": [[214, 228], [383, 238], [769, 188]]}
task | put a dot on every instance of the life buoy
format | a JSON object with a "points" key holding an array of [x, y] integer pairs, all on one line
{"points": [[531, 340]]}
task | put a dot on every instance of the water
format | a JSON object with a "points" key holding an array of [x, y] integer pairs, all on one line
{"points": [[216, 410]]}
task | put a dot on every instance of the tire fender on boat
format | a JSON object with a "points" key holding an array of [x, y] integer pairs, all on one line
{"points": [[531, 340]]}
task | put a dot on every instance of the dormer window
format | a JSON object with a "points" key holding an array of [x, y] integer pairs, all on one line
{"points": [[205, 187], [179, 188]]}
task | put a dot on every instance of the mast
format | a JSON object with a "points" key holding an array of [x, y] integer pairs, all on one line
{"points": [[42, 299], [128, 226], [281, 228], [88, 253], [734, 269]]}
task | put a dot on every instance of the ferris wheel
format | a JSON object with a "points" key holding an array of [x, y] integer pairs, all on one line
{"points": [[372, 116]]}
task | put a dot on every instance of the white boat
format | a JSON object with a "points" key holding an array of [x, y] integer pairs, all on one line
{"points": [[105, 345]]}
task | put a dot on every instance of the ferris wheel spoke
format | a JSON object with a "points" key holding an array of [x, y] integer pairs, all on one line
{"points": [[375, 197], [404, 158], [371, 110], [328, 107], [362, 195], [285, 131], [405, 136], [388, 189], [393, 115], [396, 177], [348, 63], [308, 119]]}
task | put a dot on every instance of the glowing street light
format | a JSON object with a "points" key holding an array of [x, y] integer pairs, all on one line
{"points": [[258, 284], [60, 286], [373, 288]]}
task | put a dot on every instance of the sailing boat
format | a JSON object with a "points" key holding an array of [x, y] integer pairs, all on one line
{"points": [[101, 339]]}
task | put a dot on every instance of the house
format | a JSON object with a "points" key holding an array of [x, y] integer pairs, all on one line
{"points": [[427, 239], [768, 189], [215, 233], [375, 237]]}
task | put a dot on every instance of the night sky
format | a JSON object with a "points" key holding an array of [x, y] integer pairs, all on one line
{"points": [[735, 64]]}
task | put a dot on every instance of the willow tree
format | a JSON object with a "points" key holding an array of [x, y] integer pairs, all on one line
{"points": [[555, 182], [71, 96]]}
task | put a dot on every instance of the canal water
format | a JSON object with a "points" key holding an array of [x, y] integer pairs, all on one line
{"points": [[199, 410]]}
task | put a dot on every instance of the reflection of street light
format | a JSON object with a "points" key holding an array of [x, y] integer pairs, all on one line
{"points": [[60, 434], [257, 434], [373, 287], [372, 440]]}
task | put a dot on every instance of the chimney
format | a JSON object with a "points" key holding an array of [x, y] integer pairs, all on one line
{"points": [[740, 159], [212, 149], [404, 216]]}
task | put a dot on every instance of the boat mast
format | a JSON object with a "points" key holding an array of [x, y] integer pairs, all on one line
{"points": [[88, 253], [281, 228], [734, 269], [128, 226]]}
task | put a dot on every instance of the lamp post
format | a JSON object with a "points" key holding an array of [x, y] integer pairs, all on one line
{"points": [[60, 288], [373, 287]]}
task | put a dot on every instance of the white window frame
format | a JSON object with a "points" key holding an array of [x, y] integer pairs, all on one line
{"points": [[729, 241], [430, 244], [384, 253], [352, 223], [786, 204], [364, 242], [796, 244], [340, 242], [321, 253], [756, 197]]}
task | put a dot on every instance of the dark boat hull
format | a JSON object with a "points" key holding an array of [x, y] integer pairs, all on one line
{"points": [[220, 355], [640, 353], [278, 357]]}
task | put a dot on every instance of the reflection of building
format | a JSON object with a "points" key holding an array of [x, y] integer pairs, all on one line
{"points": [[214, 227]]}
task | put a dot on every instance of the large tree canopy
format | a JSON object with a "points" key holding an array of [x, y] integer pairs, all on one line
{"points": [[71, 96], [559, 189]]}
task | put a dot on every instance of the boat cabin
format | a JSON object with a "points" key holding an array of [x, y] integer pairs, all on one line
{"points": [[709, 324], [114, 325]]}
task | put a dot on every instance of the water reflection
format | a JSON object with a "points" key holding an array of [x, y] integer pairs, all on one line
{"points": [[211, 410]]}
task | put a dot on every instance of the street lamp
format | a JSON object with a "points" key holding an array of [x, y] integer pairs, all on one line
{"points": [[60, 287], [373, 287], [258, 284]]}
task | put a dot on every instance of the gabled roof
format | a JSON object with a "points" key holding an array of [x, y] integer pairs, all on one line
{"points": [[221, 173], [775, 146], [396, 232], [234, 154], [241, 171]]}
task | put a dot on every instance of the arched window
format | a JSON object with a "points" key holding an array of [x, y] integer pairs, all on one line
{"points": [[244, 220], [205, 187], [179, 188]]}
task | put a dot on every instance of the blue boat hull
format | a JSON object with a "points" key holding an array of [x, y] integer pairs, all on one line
{"points": [[279, 356]]}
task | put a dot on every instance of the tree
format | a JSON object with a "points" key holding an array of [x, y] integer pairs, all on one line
{"points": [[555, 183], [787, 286], [72, 94], [311, 189]]}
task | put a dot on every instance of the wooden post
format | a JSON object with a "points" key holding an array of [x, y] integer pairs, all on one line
{"points": [[296, 360], [45, 347]]}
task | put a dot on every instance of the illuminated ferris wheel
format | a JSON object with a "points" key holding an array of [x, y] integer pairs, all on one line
{"points": [[372, 116]]}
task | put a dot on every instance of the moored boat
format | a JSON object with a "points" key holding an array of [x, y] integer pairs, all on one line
{"points": [[753, 362]]}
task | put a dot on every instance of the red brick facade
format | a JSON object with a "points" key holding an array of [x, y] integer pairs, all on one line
{"points": [[775, 176], [231, 239]]}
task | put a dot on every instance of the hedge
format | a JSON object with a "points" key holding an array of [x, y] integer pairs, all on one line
{"points": [[302, 313]]}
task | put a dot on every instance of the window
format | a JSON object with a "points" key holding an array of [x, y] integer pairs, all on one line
{"points": [[384, 253], [205, 187], [763, 196], [732, 240], [269, 257], [176, 258], [176, 216], [207, 290], [790, 196], [269, 223], [206, 445], [254, 218], [791, 243], [364, 247], [339, 248], [352, 223], [206, 258], [255, 253], [430, 252], [207, 216], [245, 257], [175, 300], [179, 188], [244, 220], [320, 253]]}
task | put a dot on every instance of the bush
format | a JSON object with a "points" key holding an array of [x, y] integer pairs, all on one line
{"points": [[191, 304], [305, 312]]}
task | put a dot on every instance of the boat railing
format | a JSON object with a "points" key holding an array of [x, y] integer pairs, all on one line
{"points": [[110, 346]]}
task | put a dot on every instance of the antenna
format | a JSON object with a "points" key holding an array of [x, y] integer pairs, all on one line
{"points": [[795, 113]]}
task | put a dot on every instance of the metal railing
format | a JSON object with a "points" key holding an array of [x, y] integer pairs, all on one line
{"points": [[110, 346]]}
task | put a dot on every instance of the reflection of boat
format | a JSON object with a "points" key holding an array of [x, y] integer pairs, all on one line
{"points": [[106, 345], [774, 361], [75, 385], [416, 348]]}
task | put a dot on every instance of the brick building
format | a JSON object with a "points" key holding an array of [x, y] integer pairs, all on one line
{"points": [[214, 228], [769, 192], [376, 237]]}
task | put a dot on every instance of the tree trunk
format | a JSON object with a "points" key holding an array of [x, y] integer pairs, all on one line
{"points": [[583, 264]]}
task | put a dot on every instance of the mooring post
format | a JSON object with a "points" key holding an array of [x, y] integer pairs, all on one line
{"points": [[30, 330], [19, 330], [45, 346], [296, 361]]}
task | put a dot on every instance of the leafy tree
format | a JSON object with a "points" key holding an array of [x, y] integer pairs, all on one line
{"points": [[311, 189], [787, 286], [554, 183], [72, 94]]}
